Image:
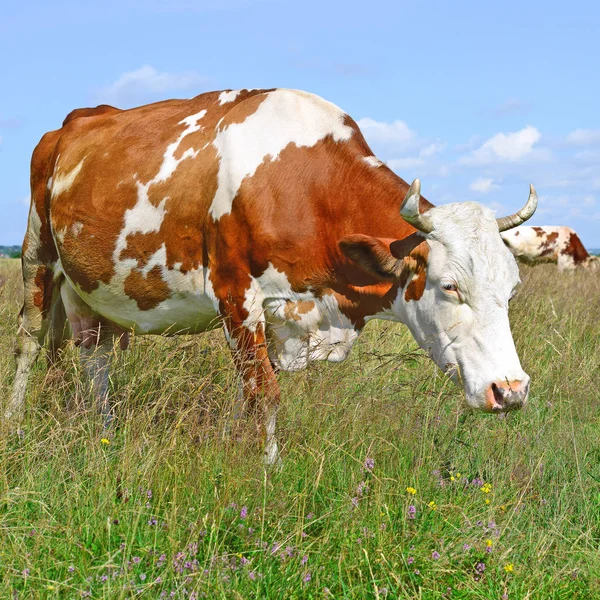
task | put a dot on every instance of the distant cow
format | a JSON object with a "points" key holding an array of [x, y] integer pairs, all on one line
{"points": [[266, 213], [559, 245]]}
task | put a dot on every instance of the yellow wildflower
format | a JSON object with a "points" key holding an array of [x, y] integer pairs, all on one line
{"points": [[487, 500], [489, 543], [451, 477], [486, 488], [411, 490], [50, 587], [509, 568], [105, 441], [458, 476], [432, 505]]}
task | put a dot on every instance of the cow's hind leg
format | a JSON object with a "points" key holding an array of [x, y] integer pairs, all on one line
{"points": [[96, 360], [95, 337], [40, 296]]}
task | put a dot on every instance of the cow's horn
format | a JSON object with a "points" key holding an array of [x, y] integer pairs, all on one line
{"points": [[409, 210], [522, 215]]}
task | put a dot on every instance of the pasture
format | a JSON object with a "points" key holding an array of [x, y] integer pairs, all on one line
{"points": [[389, 488]]}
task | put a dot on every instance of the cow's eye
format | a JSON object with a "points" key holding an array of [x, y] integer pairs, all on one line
{"points": [[450, 287]]}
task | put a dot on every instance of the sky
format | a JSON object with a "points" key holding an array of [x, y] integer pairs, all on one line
{"points": [[477, 99]]}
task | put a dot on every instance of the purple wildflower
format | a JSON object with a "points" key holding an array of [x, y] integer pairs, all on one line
{"points": [[412, 511], [383, 591], [304, 560], [466, 547], [143, 576], [369, 464], [104, 578], [307, 577], [243, 512], [435, 555], [310, 516], [252, 575], [25, 572], [152, 522], [480, 567], [136, 560], [410, 560], [149, 494], [417, 572], [158, 580], [71, 569], [355, 502]]}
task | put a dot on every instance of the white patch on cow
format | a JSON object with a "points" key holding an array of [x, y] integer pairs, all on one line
{"points": [[230, 96], [49, 184], [76, 228], [62, 182], [285, 117], [297, 337], [373, 161], [191, 308]]}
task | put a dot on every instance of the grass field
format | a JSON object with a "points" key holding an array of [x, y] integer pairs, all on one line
{"points": [[172, 507]]}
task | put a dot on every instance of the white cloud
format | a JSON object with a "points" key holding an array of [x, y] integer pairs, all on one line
{"points": [[483, 185], [584, 137], [25, 201], [589, 201], [396, 133], [504, 147], [432, 149], [147, 84], [397, 164]]}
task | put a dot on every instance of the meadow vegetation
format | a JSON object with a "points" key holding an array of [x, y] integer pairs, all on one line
{"points": [[390, 487]]}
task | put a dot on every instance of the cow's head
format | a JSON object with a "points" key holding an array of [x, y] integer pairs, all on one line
{"points": [[454, 290]]}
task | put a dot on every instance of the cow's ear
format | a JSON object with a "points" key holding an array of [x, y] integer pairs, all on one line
{"points": [[372, 255]]}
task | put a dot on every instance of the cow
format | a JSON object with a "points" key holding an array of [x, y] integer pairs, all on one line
{"points": [[264, 212], [558, 245]]}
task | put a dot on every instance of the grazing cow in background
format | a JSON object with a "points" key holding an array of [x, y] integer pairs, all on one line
{"points": [[263, 211], [559, 245]]}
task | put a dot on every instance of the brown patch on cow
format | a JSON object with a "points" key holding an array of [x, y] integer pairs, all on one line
{"points": [[548, 246], [415, 269], [293, 311], [42, 297], [517, 233], [575, 249], [148, 291], [539, 231]]}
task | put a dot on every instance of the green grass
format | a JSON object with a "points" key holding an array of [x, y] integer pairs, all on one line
{"points": [[158, 510]]}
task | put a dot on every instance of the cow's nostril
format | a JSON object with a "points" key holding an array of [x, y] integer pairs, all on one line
{"points": [[498, 394]]}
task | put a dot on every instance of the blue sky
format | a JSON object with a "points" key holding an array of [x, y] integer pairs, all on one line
{"points": [[478, 99]]}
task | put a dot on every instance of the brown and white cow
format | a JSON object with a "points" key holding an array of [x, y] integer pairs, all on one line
{"points": [[558, 245], [263, 211]]}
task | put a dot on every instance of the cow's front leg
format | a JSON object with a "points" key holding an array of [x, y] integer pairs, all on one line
{"points": [[258, 381]]}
